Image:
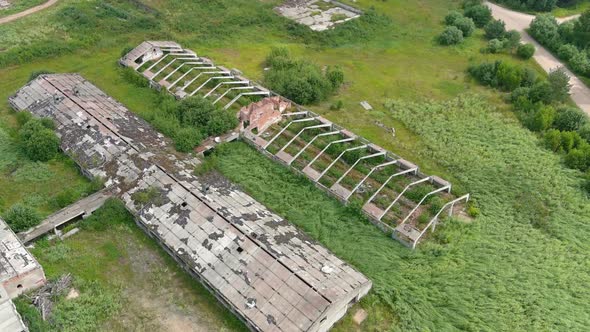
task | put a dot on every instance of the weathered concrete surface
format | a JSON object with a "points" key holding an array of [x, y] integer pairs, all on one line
{"points": [[268, 272], [27, 12], [81, 208], [520, 22], [310, 14]]}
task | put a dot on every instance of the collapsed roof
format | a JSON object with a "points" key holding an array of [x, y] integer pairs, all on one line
{"points": [[273, 276]]}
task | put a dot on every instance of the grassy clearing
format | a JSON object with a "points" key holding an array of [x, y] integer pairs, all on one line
{"points": [[114, 261], [496, 274]]}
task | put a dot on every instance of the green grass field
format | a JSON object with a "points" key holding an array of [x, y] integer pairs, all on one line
{"points": [[19, 5], [520, 266]]}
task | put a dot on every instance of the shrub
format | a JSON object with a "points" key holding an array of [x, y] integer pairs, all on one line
{"points": [[450, 36], [495, 46], [495, 29], [20, 217], [570, 119], [580, 63], [466, 25], [578, 159], [299, 80], [541, 92], [480, 14], [525, 51], [452, 17], [584, 131], [509, 76], [567, 52], [37, 141], [542, 119], [187, 138]]}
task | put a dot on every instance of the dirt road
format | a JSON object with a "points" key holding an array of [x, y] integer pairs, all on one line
{"points": [[519, 22], [27, 12]]}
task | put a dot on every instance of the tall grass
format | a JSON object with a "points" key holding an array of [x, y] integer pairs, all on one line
{"points": [[521, 265]]}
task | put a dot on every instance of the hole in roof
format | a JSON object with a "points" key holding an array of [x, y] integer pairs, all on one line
{"points": [[88, 127], [240, 249], [19, 286], [184, 204], [254, 235]]}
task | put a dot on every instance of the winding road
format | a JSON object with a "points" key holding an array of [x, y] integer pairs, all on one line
{"points": [[27, 12], [520, 22]]}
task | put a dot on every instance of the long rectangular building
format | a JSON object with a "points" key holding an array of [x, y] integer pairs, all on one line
{"points": [[269, 273]]}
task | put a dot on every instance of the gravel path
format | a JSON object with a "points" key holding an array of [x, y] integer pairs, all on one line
{"points": [[27, 12], [519, 22]]}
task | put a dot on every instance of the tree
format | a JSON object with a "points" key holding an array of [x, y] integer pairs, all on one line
{"points": [[38, 142], [21, 217], [525, 51], [578, 159], [512, 40], [509, 76], [466, 25], [570, 119], [581, 31], [451, 36], [495, 29], [545, 29], [560, 85], [580, 63], [567, 51], [480, 14]]}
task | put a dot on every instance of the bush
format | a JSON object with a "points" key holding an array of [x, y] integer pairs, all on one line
{"points": [[495, 29], [451, 36], [299, 80], [567, 51], [38, 142], [480, 14], [570, 119], [495, 46], [466, 25], [581, 31], [578, 159], [21, 218], [452, 17], [542, 119], [525, 51], [187, 138], [580, 63]]}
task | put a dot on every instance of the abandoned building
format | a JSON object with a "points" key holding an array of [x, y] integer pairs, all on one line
{"points": [[260, 115], [264, 269], [318, 15], [394, 194], [19, 272]]}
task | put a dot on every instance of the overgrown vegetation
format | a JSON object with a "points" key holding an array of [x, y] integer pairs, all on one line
{"points": [[539, 5], [569, 40], [539, 105], [299, 80], [188, 121], [523, 192]]}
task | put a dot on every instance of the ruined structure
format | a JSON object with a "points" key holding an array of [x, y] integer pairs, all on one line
{"points": [[4, 4], [261, 115], [395, 195], [19, 272], [265, 270], [318, 15]]}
